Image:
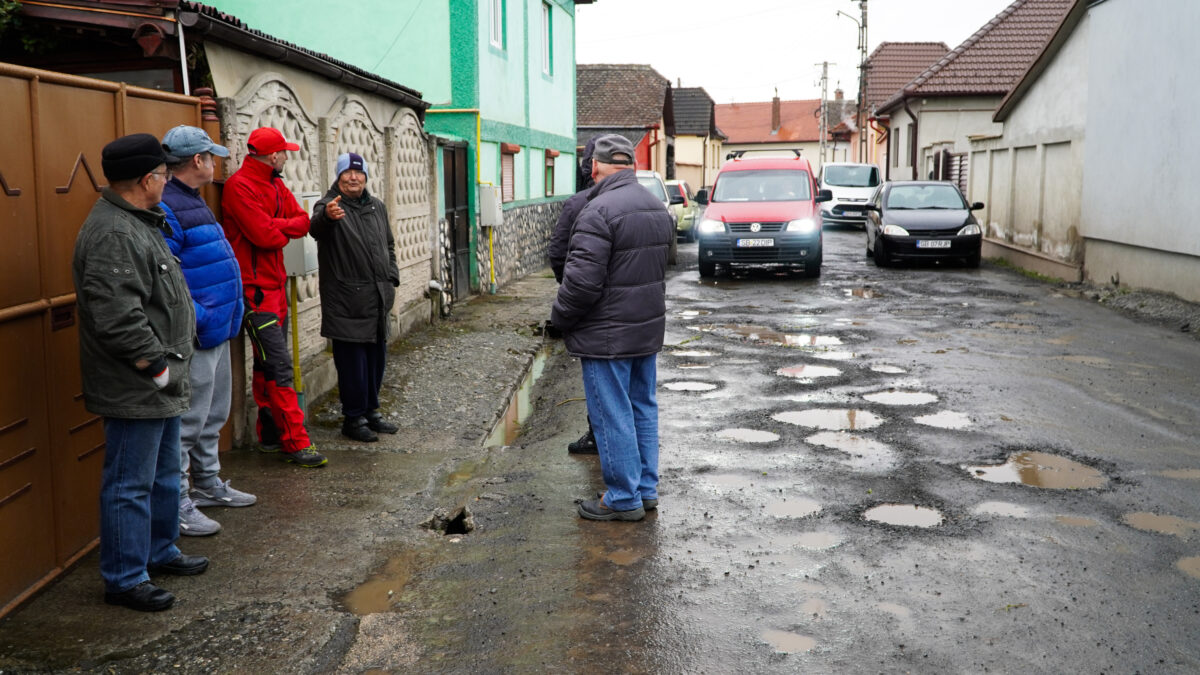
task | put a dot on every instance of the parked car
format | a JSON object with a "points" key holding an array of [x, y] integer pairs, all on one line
{"points": [[851, 185], [685, 207], [912, 220], [653, 181], [762, 211]]}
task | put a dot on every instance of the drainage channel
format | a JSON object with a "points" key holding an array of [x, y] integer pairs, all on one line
{"points": [[520, 405]]}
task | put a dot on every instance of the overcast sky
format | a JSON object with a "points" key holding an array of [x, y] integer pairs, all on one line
{"points": [[742, 50]]}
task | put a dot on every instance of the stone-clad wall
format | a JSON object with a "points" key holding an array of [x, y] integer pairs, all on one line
{"points": [[519, 246]]}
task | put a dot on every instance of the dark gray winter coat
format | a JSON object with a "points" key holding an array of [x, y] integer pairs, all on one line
{"points": [[357, 265], [612, 302]]}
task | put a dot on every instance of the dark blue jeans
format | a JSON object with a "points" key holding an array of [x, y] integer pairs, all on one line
{"points": [[624, 415], [139, 499]]}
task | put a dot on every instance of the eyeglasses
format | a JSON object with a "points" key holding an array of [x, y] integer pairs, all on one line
{"points": [[162, 175]]}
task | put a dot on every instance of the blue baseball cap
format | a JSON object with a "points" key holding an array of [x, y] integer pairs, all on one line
{"points": [[184, 141], [350, 160]]}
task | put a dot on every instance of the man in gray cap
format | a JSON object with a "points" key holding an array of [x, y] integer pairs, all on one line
{"points": [[215, 285], [136, 329], [611, 309]]}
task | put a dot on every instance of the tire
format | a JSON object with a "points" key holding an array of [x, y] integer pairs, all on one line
{"points": [[881, 257], [707, 269], [672, 251]]}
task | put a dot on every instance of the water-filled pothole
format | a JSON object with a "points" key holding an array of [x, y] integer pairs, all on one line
{"points": [[691, 353], [863, 452], [796, 507], [748, 435], [865, 292], [377, 594], [1153, 522], [693, 313], [831, 419], [765, 335], [808, 373], [818, 541], [1190, 566], [944, 420], [832, 355], [689, 386], [907, 515], [890, 370], [1001, 509], [788, 642], [1041, 469], [901, 397], [520, 405]]}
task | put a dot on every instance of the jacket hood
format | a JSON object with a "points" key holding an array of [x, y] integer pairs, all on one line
{"points": [[584, 180]]}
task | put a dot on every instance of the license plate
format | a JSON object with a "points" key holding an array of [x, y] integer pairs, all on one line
{"points": [[753, 243], [851, 212], [933, 243]]}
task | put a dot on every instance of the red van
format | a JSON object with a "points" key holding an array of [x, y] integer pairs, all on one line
{"points": [[762, 211]]}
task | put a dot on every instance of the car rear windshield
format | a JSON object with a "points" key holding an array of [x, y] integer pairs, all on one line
{"points": [[771, 185], [851, 176], [654, 186], [925, 197], [675, 190]]}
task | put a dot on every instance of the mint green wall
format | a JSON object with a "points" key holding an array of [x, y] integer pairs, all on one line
{"points": [[402, 40]]}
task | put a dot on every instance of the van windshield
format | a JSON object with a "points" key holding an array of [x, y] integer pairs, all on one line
{"points": [[775, 185], [851, 176]]}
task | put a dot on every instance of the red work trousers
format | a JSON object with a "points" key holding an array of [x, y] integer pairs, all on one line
{"points": [[272, 382]]}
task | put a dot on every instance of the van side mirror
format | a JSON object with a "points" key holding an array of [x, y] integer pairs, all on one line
{"points": [[702, 196], [870, 207], [976, 206], [824, 195]]}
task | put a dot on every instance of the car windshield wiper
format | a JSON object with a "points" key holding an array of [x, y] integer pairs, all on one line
{"points": [[899, 208]]}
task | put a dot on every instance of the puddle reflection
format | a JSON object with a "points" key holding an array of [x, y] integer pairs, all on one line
{"points": [[796, 507], [689, 386], [748, 435], [831, 419], [945, 420], [864, 452], [1001, 509], [907, 515], [1040, 469], [890, 370], [901, 397], [808, 373]]}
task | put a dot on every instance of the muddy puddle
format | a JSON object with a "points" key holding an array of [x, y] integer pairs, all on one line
{"points": [[806, 373], [1007, 509], [865, 293], [906, 515], [1153, 522], [786, 642], [690, 353], [945, 420], [1190, 566], [380, 592], [888, 370], [862, 452], [689, 386], [1040, 469], [520, 406], [901, 397], [766, 335], [830, 419], [796, 507], [748, 435], [833, 355], [729, 481]]}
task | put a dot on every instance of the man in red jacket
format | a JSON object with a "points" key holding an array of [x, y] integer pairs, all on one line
{"points": [[260, 216]]}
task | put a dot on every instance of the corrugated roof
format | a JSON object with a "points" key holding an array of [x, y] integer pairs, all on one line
{"points": [[751, 122], [992, 60], [620, 95], [894, 64]]}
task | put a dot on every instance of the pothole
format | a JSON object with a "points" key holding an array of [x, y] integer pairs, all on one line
{"points": [[694, 366], [863, 452], [520, 405], [377, 594], [1153, 522], [1001, 509], [945, 420], [831, 419], [1189, 566], [748, 435], [905, 515], [459, 521], [691, 353], [818, 541], [808, 373], [865, 293], [770, 336], [1041, 469], [689, 386], [901, 397], [693, 313], [787, 642], [832, 355], [797, 507]]}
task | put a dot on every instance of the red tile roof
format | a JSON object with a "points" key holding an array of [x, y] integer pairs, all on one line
{"points": [[621, 95], [751, 122], [992, 60], [894, 64]]}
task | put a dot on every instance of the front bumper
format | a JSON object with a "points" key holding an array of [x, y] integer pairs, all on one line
{"points": [[845, 214], [787, 248], [963, 246]]}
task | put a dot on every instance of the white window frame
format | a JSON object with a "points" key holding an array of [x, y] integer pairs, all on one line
{"points": [[547, 39], [497, 24]]}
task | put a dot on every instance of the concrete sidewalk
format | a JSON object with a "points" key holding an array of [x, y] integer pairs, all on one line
{"points": [[273, 597]]}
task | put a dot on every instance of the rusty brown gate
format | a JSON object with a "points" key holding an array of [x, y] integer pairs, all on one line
{"points": [[52, 128]]}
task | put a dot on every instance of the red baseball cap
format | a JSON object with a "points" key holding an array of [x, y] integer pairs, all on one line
{"points": [[265, 140]]}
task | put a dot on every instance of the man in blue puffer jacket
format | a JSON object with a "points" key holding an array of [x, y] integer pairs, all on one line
{"points": [[214, 281]]}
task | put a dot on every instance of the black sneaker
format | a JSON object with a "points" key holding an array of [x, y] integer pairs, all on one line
{"points": [[376, 423], [586, 445], [308, 457], [356, 429]]}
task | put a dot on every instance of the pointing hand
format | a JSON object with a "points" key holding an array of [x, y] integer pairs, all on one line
{"points": [[334, 210]]}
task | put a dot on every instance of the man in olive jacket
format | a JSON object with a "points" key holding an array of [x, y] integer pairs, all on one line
{"points": [[611, 309], [357, 257], [136, 331]]}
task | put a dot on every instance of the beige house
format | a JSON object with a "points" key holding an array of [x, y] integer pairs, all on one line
{"points": [[891, 66], [698, 140]]}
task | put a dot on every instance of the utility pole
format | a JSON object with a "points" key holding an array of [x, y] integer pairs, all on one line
{"points": [[821, 123], [860, 116]]}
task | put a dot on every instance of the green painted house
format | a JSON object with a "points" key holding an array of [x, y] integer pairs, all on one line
{"points": [[501, 77]]}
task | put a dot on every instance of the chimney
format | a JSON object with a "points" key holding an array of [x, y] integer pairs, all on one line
{"points": [[775, 114], [837, 94]]}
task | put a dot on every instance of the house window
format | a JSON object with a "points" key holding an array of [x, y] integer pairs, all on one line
{"points": [[547, 39], [508, 156], [497, 25], [912, 141], [896, 147], [550, 155]]}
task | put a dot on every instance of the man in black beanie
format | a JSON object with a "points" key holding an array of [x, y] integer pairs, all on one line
{"points": [[136, 331]]}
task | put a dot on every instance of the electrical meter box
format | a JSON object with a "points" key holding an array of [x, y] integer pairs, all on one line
{"points": [[300, 255], [491, 211]]}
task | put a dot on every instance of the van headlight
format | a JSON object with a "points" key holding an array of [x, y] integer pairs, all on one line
{"points": [[973, 228], [710, 226], [803, 225], [894, 230]]}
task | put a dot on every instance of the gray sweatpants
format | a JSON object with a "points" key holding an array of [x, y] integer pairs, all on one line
{"points": [[212, 388]]}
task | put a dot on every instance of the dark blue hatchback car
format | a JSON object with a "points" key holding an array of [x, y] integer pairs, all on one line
{"points": [[914, 220]]}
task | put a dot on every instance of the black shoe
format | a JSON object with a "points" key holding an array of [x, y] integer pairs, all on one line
{"points": [[596, 510], [375, 422], [356, 429], [586, 445], [183, 566], [145, 597], [647, 504]]}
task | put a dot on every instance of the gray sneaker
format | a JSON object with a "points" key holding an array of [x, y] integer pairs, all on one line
{"points": [[221, 494], [192, 523]]}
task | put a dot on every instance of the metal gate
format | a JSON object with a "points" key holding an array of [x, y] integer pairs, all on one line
{"points": [[952, 167], [52, 128], [458, 220]]}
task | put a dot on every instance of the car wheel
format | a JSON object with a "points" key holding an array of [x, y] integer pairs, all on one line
{"points": [[881, 258], [671, 252], [708, 269]]}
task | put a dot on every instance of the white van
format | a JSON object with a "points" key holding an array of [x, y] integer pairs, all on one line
{"points": [[852, 185]]}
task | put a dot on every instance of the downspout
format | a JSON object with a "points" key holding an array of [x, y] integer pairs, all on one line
{"points": [[187, 87], [912, 160], [882, 135]]}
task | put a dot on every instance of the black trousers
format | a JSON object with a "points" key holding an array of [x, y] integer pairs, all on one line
{"points": [[360, 374]]}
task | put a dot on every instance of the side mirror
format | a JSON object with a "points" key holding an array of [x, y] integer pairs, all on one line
{"points": [[870, 207], [702, 196], [824, 195], [976, 206], [676, 199]]}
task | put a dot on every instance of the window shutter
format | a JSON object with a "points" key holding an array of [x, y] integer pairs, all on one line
{"points": [[506, 177]]}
